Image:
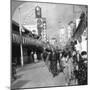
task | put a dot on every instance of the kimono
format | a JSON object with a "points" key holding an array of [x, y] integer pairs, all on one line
{"points": [[82, 72], [44, 55], [70, 67], [53, 63]]}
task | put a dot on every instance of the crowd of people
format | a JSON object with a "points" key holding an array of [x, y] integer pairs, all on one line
{"points": [[70, 62]]}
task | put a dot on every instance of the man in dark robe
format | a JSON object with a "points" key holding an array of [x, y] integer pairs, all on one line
{"points": [[53, 63], [45, 55], [82, 69]]}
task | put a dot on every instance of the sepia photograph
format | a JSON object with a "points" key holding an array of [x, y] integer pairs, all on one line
{"points": [[49, 44]]}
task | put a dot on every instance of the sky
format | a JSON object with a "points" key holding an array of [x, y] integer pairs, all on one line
{"points": [[57, 15]]}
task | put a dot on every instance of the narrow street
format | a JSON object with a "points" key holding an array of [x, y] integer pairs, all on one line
{"points": [[37, 75], [46, 32]]}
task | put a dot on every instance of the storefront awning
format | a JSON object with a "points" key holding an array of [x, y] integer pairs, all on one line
{"points": [[26, 40]]}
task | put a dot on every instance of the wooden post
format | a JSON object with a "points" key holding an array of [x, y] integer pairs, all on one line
{"points": [[20, 30]]}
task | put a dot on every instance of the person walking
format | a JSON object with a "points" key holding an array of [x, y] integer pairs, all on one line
{"points": [[44, 55], [47, 61], [14, 66], [70, 67], [53, 63], [65, 68], [58, 60], [31, 57], [60, 57], [35, 58], [82, 69]]}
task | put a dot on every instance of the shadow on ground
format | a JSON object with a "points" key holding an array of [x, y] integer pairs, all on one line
{"points": [[19, 84]]}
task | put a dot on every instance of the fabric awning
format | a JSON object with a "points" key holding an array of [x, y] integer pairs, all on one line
{"points": [[26, 40]]}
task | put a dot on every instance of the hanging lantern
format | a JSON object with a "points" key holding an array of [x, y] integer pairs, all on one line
{"points": [[38, 12], [44, 23], [39, 26]]}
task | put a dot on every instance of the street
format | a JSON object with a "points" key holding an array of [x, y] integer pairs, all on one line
{"points": [[37, 75]]}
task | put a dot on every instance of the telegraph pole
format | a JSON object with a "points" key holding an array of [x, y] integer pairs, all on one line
{"points": [[73, 13], [20, 30]]}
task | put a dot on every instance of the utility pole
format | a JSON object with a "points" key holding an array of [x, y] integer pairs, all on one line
{"points": [[20, 30], [73, 13]]}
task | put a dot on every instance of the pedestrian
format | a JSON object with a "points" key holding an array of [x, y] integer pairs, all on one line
{"points": [[62, 62], [14, 66], [31, 57], [47, 61], [82, 69], [65, 67], [53, 63], [60, 57], [44, 55], [70, 66], [58, 60], [35, 58], [75, 65]]}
